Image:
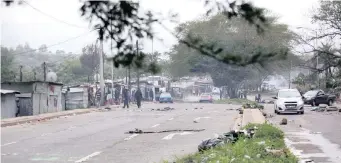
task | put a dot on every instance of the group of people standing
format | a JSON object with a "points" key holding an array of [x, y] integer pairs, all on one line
{"points": [[137, 95]]}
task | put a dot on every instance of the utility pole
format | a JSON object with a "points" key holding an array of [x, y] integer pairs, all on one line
{"points": [[138, 72], [34, 75], [21, 73], [101, 73], [44, 67], [112, 66], [152, 74], [318, 71], [127, 76], [290, 74]]}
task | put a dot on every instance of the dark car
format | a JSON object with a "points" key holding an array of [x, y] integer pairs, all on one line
{"points": [[165, 98], [317, 97]]}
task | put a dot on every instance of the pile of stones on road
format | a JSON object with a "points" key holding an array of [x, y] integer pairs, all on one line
{"points": [[267, 102], [164, 109], [325, 108], [229, 137], [253, 106]]}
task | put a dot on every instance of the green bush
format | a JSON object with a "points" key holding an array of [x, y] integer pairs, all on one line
{"points": [[247, 150]]}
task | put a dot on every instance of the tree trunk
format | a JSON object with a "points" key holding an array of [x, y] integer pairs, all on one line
{"points": [[233, 92]]}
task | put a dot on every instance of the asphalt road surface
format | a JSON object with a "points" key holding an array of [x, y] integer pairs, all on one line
{"points": [[314, 135], [100, 136]]}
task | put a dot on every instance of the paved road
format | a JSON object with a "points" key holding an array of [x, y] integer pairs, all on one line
{"points": [[314, 135], [100, 136]]}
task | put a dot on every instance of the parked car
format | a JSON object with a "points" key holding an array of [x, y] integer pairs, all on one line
{"points": [[206, 97], [317, 97], [165, 98], [289, 101]]}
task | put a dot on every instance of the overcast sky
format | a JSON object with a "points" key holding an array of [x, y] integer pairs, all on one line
{"points": [[22, 23]]}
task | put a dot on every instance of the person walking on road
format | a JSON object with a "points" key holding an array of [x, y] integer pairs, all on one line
{"points": [[138, 97], [125, 98], [151, 95]]}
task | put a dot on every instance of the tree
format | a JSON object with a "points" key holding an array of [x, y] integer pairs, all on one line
{"points": [[43, 48], [71, 72], [60, 52], [7, 65], [240, 40], [122, 22], [90, 59], [328, 54]]}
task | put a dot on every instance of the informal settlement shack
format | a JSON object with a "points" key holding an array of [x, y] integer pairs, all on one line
{"points": [[36, 97], [9, 107]]}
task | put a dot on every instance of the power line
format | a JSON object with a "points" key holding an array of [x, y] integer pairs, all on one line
{"points": [[56, 43], [52, 17]]}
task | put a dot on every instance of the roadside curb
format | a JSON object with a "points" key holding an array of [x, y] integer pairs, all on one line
{"points": [[48, 116], [252, 116], [238, 122]]}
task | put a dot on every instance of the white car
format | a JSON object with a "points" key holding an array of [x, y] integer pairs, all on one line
{"points": [[289, 101]]}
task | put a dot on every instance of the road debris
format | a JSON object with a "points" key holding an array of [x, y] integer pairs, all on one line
{"points": [[138, 131], [229, 137], [307, 161], [253, 106], [284, 121], [240, 110], [332, 108], [276, 152], [315, 132], [164, 109]]}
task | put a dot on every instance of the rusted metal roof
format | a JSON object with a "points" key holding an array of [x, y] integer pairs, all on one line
{"points": [[6, 91]]}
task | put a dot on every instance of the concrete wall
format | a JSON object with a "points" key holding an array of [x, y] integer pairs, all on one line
{"points": [[8, 105]]}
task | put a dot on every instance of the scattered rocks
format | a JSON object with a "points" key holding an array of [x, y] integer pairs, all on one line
{"points": [[319, 108], [332, 108], [264, 114], [315, 132], [164, 109], [195, 121], [240, 111], [284, 121], [307, 161]]}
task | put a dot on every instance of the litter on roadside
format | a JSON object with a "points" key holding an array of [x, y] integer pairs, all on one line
{"points": [[284, 121], [229, 137], [164, 109]]}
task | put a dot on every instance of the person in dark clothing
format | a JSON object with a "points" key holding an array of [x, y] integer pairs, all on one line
{"points": [[138, 97], [151, 95], [125, 98], [117, 96], [133, 96]]}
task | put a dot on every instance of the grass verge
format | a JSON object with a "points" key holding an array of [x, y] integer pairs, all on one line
{"points": [[245, 150]]}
